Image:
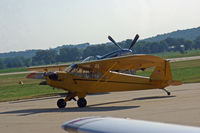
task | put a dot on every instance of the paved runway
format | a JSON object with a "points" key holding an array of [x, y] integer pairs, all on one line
{"points": [[42, 115]]}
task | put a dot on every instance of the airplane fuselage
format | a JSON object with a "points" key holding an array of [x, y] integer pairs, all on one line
{"points": [[84, 82]]}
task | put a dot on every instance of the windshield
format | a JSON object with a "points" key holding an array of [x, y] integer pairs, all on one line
{"points": [[71, 67], [90, 58]]}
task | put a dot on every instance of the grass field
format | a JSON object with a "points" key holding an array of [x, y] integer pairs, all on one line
{"points": [[178, 54], [9, 70], [186, 71], [10, 89]]}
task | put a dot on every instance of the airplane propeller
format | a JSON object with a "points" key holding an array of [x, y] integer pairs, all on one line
{"points": [[134, 41], [36, 75], [43, 75], [132, 44], [112, 40]]}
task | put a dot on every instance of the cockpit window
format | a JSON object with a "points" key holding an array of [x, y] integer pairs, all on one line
{"points": [[117, 53], [81, 72], [90, 58], [71, 68]]}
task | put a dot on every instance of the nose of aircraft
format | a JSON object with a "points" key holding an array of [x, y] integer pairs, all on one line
{"points": [[42, 75], [53, 76]]}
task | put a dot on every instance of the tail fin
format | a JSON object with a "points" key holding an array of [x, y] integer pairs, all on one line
{"points": [[162, 72]]}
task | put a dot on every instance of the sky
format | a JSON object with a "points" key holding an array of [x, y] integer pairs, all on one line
{"points": [[44, 24]]}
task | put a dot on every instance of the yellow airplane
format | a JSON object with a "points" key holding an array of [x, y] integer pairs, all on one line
{"points": [[106, 75]]}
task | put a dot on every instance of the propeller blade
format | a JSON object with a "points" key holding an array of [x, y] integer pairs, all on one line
{"points": [[36, 75], [134, 41], [112, 40]]}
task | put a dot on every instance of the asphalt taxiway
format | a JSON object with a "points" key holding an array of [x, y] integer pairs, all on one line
{"points": [[42, 115]]}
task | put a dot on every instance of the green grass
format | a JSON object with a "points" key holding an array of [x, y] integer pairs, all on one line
{"points": [[178, 54], [9, 70], [186, 71], [14, 92], [10, 89]]}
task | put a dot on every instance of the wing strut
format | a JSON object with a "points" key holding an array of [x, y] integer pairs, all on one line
{"points": [[103, 76]]}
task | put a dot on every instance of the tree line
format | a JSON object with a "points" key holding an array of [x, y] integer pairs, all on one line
{"points": [[66, 54]]}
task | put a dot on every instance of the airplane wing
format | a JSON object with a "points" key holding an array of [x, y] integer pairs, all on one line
{"points": [[119, 125], [117, 63], [123, 62], [49, 68]]}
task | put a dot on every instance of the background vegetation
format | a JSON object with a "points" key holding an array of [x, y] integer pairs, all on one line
{"points": [[68, 54], [170, 44]]}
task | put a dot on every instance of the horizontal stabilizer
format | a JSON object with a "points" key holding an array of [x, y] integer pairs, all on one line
{"points": [[174, 82]]}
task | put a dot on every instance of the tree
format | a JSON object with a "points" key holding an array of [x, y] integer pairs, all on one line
{"points": [[69, 54], [90, 51], [27, 62], [164, 46], [44, 57], [2, 65], [188, 44], [197, 42]]}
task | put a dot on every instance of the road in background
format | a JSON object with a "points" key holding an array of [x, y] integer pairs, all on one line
{"points": [[184, 58]]}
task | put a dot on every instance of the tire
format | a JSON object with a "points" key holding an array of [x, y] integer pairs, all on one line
{"points": [[81, 102], [61, 103], [168, 93]]}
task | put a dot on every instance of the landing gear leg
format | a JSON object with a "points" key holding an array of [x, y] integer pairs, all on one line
{"points": [[61, 103], [168, 93]]}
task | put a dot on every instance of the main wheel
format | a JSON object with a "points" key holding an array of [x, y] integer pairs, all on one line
{"points": [[81, 102], [61, 103]]}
